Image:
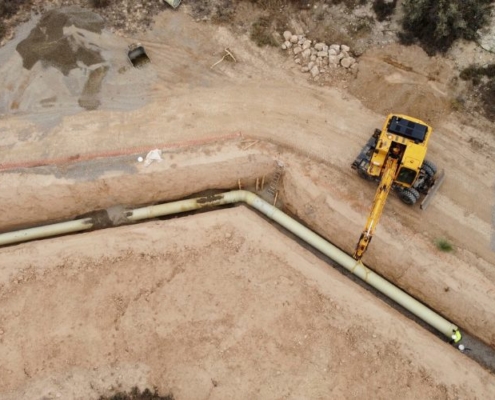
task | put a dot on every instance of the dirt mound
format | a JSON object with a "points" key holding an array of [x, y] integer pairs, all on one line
{"points": [[404, 80]]}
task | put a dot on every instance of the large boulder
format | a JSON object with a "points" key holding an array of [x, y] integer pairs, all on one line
{"points": [[347, 62]]}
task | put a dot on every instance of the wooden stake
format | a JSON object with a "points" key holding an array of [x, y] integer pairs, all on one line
{"points": [[227, 53], [250, 145], [257, 184], [276, 197], [239, 183], [230, 54]]}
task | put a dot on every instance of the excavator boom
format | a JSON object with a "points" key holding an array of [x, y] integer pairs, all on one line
{"points": [[386, 182]]}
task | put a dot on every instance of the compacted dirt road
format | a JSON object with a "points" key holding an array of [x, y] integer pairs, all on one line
{"points": [[263, 102]]}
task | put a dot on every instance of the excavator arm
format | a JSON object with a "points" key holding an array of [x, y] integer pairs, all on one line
{"points": [[388, 177]]}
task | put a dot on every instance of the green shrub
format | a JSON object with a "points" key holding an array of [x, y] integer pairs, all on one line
{"points": [[444, 245], [384, 9], [436, 24]]}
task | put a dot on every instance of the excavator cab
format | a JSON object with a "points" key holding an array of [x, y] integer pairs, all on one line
{"points": [[406, 176], [395, 158]]}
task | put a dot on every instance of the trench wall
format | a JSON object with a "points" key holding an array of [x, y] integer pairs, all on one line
{"points": [[58, 192]]}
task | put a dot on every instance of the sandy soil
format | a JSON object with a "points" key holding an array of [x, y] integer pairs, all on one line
{"points": [[316, 132], [241, 313]]}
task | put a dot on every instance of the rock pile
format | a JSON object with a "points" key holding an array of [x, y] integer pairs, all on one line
{"points": [[315, 58]]}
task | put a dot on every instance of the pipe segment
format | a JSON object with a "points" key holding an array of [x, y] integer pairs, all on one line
{"points": [[40, 232], [355, 267]]}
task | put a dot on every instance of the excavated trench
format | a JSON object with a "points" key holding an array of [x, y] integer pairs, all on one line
{"points": [[103, 189], [63, 191]]}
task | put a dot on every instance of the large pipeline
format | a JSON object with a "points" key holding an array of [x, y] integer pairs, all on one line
{"points": [[433, 319], [40, 232]]}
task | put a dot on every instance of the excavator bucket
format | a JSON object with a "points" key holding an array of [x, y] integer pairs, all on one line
{"points": [[137, 56], [433, 190]]}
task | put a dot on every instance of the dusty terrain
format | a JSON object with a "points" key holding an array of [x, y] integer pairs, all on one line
{"points": [[237, 119], [218, 305]]}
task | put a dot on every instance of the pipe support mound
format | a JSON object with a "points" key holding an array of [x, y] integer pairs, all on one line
{"points": [[355, 267]]}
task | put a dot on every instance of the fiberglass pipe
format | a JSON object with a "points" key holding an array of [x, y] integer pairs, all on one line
{"points": [[46, 231], [343, 259], [337, 255]]}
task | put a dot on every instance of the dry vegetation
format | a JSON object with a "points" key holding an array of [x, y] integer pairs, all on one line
{"points": [[437, 24], [136, 394], [9, 8], [384, 9], [481, 81]]}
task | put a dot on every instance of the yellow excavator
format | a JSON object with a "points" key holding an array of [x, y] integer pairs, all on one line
{"points": [[395, 157]]}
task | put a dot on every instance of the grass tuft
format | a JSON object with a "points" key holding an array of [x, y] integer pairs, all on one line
{"points": [[136, 394], [444, 245]]}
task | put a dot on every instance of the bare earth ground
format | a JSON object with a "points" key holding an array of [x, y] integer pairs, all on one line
{"points": [[218, 305], [317, 132]]}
